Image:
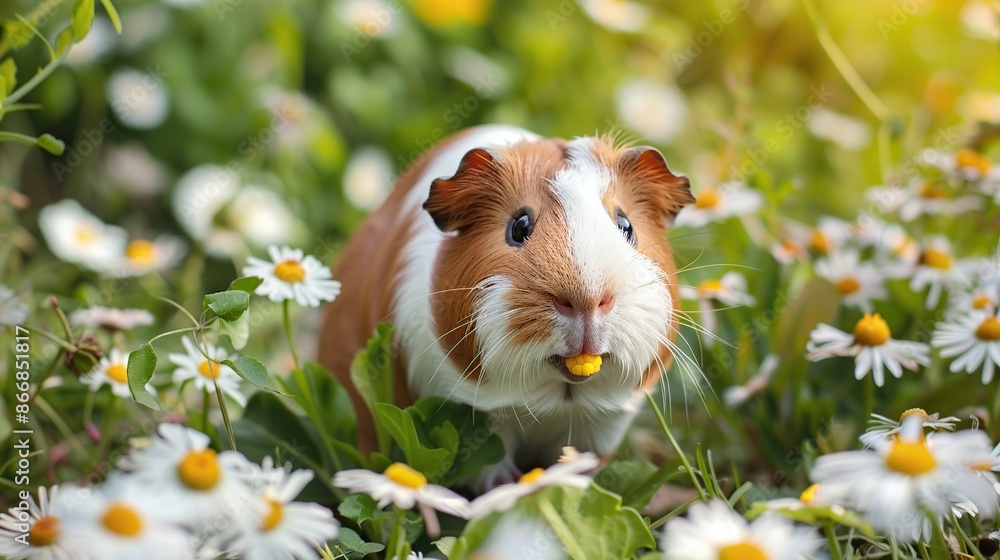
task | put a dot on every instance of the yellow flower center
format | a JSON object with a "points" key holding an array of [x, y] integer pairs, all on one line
{"points": [[910, 458], [404, 475], [199, 470], [932, 191], [44, 532], [847, 286], [85, 235], [117, 372], [809, 495], [584, 365], [141, 252], [989, 329], [981, 467], [971, 159], [818, 242], [442, 13], [913, 412], [707, 198], [871, 330], [531, 476], [209, 369], [712, 285], [742, 551], [981, 301], [935, 259], [274, 514], [289, 271], [122, 520]]}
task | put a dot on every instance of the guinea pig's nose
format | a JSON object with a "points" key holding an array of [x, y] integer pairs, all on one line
{"points": [[572, 306]]}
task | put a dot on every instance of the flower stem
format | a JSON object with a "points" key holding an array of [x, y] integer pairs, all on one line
{"points": [[831, 540], [288, 332], [562, 531], [205, 400], [844, 66], [396, 536], [677, 448]]}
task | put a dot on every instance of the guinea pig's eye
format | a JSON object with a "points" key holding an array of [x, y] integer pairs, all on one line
{"points": [[625, 225], [520, 227]]}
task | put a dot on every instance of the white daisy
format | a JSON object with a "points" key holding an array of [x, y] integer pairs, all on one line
{"points": [[787, 251], [857, 283], [139, 99], [520, 537], [729, 290], [982, 298], [288, 530], [37, 531], [937, 268], [143, 255], [616, 15], [965, 165], [124, 520], [889, 240], [111, 319], [975, 339], [737, 395], [716, 204], [112, 370], [904, 477], [654, 110], [829, 235], [880, 427], [193, 366], [13, 311], [923, 197], [374, 18], [568, 473], [872, 345], [403, 486], [130, 169], [259, 215], [713, 531], [77, 236], [291, 276], [368, 177], [199, 195], [847, 132], [178, 467]]}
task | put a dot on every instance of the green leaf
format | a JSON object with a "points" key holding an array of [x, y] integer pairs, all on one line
{"points": [[329, 408], [141, 363], [8, 70], [445, 545], [591, 522], [630, 480], [433, 462], [64, 41], [816, 515], [246, 284], [51, 144], [268, 427], [250, 369], [83, 18], [372, 375], [17, 34], [228, 305], [360, 508], [350, 541], [238, 331], [477, 444], [112, 15]]}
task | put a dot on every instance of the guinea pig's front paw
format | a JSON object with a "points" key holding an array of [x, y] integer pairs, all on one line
{"points": [[504, 472]]}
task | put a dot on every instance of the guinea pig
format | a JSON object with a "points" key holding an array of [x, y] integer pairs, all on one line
{"points": [[501, 254]]}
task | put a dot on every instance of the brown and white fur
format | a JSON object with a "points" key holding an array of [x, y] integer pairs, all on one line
{"points": [[483, 322]]}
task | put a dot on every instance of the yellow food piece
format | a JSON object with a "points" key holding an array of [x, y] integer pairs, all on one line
{"points": [[584, 365]]}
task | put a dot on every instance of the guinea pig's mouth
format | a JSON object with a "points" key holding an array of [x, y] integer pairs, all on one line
{"points": [[559, 362]]}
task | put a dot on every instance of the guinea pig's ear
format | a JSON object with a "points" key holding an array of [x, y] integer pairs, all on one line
{"points": [[449, 201], [655, 182]]}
